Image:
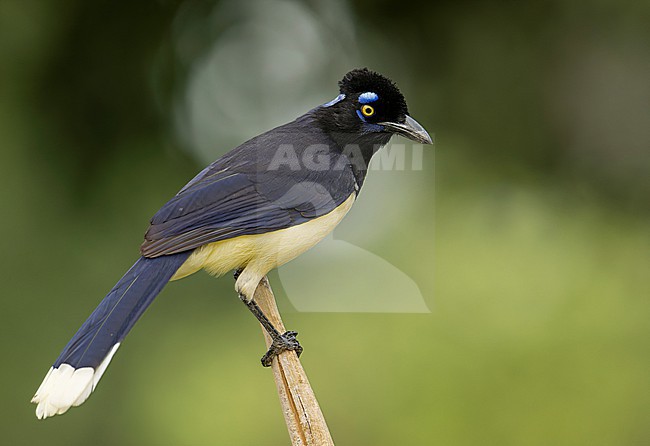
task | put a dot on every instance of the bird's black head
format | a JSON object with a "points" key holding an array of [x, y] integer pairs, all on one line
{"points": [[370, 107], [375, 97]]}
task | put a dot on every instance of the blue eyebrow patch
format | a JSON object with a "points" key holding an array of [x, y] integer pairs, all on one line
{"points": [[336, 100], [367, 97]]}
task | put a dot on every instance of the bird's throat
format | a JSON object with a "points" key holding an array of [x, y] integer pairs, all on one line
{"points": [[359, 150]]}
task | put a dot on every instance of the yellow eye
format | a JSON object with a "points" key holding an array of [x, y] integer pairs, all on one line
{"points": [[367, 110]]}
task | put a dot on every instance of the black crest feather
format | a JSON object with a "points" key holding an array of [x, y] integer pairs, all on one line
{"points": [[362, 80]]}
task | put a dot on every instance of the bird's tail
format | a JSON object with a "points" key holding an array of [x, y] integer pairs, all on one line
{"points": [[84, 359]]}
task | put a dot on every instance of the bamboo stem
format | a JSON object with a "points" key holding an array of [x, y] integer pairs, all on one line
{"points": [[305, 421]]}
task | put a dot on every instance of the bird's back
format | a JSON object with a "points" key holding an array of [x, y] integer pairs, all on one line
{"points": [[279, 179]]}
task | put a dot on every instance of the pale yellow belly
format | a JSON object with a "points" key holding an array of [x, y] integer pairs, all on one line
{"points": [[260, 253]]}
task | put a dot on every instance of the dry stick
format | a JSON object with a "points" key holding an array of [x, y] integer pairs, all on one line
{"points": [[305, 421]]}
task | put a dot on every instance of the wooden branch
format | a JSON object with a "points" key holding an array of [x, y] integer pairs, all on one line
{"points": [[305, 421]]}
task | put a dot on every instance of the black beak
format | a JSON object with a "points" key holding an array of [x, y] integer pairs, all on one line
{"points": [[411, 129]]}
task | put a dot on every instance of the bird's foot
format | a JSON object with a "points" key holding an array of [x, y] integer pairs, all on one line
{"points": [[284, 342]]}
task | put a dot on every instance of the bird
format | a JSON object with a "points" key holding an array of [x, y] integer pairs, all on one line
{"points": [[254, 209]]}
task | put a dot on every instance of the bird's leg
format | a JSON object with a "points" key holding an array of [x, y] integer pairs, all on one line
{"points": [[281, 342]]}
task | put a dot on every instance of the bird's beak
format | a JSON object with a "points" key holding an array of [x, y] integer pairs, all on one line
{"points": [[411, 129]]}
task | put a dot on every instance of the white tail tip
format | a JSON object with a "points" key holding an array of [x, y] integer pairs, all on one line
{"points": [[65, 386]]}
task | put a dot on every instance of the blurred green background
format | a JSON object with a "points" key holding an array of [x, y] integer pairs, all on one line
{"points": [[526, 231]]}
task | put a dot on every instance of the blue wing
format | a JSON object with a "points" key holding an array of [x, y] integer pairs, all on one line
{"points": [[240, 194]]}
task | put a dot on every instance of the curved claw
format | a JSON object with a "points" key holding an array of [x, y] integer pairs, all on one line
{"points": [[286, 341]]}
